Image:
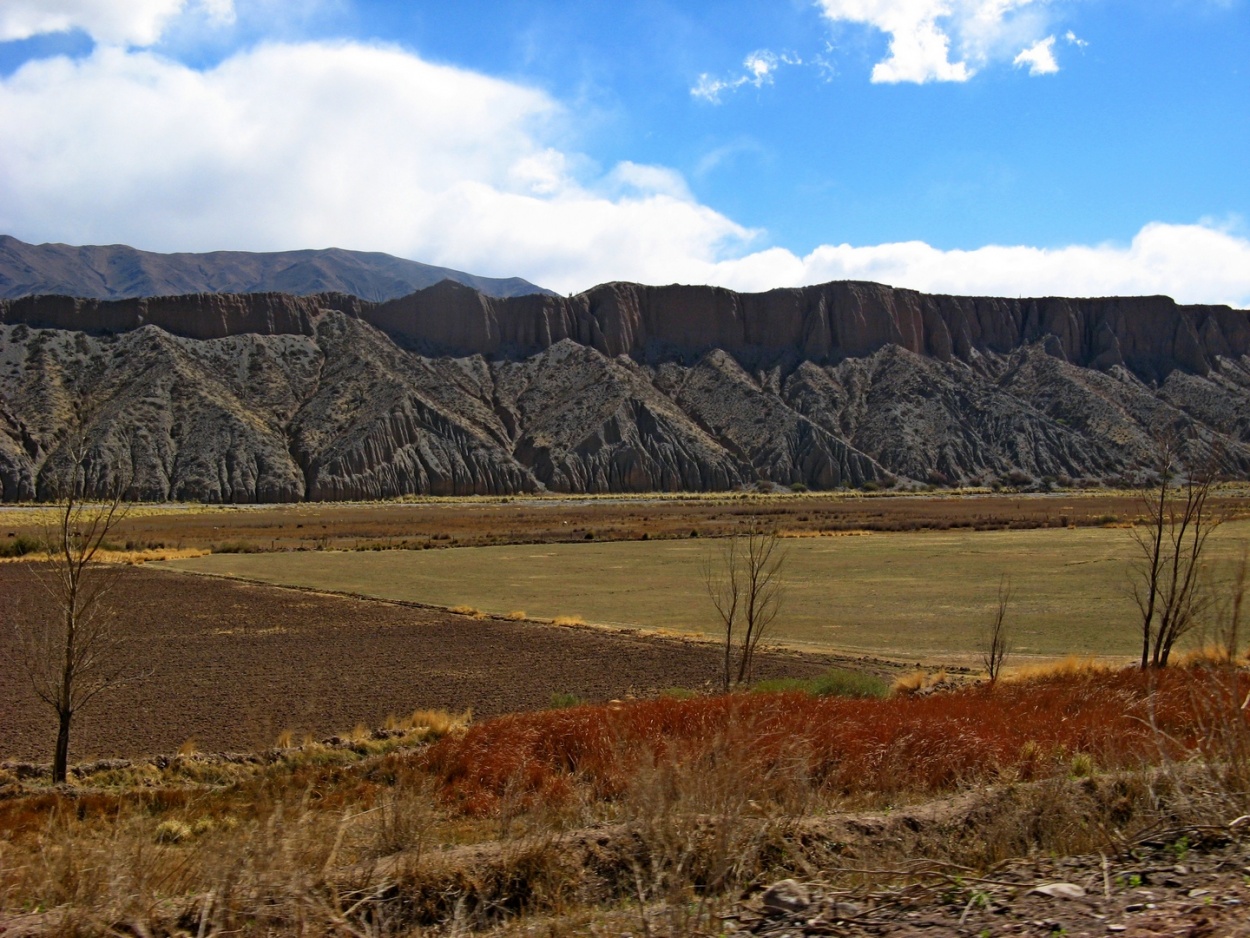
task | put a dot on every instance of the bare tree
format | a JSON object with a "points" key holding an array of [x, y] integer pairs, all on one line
{"points": [[1167, 579], [72, 652], [996, 636], [746, 585]]}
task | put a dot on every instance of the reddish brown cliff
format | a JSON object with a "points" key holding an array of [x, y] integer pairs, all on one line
{"points": [[828, 323]]}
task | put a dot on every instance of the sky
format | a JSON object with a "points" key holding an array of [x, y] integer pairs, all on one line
{"points": [[1001, 147]]}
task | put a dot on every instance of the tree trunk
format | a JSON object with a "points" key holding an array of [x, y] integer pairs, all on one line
{"points": [[60, 762]]}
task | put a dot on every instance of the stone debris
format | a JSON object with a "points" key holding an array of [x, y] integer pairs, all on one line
{"points": [[1149, 897]]}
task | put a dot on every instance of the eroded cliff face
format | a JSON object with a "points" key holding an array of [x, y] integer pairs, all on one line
{"points": [[1152, 336], [267, 397]]}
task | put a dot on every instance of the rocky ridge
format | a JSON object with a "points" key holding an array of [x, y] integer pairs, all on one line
{"points": [[273, 397]]}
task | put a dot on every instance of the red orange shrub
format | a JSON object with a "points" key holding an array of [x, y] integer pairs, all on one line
{"points": [[1024, 730]]}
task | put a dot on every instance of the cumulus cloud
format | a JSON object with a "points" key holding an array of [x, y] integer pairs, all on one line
{"points": [[1039, 58], [759, 69], [372, 148], [945, 40], [132, 22]]}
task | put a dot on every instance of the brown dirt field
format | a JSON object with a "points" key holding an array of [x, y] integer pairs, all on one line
{"points": [[232, 664], [483, 521]]}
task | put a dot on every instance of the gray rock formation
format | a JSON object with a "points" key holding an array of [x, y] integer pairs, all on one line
{"points": [[270, 397]]}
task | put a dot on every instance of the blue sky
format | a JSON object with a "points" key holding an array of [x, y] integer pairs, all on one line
{"points": [[1015, 147]]}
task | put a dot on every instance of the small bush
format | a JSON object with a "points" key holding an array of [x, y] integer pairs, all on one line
{"points": [[20, 546], [436, 724], [917, 682], [173, 832], [679, 693], [234, 547], [562, 701], [836, 682], [516, 615]]}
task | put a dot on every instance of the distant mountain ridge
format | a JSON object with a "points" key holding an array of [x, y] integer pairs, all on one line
{"points": [[117, 271]]}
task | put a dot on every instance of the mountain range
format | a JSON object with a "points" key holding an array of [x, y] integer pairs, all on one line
{"points": [[116, 271], [275, 397]]}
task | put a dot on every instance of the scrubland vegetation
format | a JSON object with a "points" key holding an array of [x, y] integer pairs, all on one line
{"points": [[658, 815], [652, 812]]}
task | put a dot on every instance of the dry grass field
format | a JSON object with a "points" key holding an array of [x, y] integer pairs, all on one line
{"points": [[443, 522], [914, 595]]}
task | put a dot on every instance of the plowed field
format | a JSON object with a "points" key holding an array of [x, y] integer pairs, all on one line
{"points": [[231, 665]]}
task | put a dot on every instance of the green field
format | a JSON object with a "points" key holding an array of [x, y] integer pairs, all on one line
{"points": [[916, 595]]}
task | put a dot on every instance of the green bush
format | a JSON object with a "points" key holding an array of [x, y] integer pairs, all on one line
{"points": [[560, 701], [235, 547], [679, 693], [19, 546], [836, 682]]}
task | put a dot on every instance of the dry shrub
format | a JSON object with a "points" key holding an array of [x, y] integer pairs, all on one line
{"points": [[568, 620], [1210, 654], [516, 615], [923, 744], [467, 611], [918, 681], [1069, 666], [1213, 777], [435, 724]]}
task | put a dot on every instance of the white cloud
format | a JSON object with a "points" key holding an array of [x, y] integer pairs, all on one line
{"points": [[1074, 40], [1039, 57], [372, 148], [334, 143], [116, 22], [1200, 263], [760, 67], [943, 40]]}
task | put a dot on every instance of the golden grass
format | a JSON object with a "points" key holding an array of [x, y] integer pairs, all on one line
{"points": [[516, 615], [568, 620], [1211, 653], [439, 723], [918, 681], [1069, 666], [918, 596], [153, 555]]}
